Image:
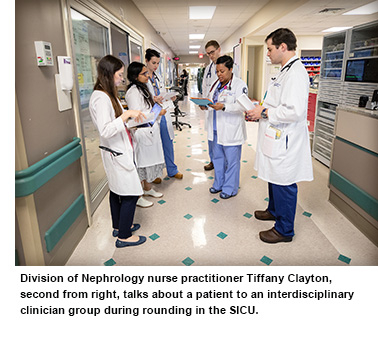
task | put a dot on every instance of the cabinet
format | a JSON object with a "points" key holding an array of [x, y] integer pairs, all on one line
{"points": [[338, 51]]}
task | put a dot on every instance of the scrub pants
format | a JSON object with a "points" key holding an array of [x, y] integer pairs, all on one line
{"points": [[122, 209], [226, 160], [282, 205], [210, 144], [169, 155]]}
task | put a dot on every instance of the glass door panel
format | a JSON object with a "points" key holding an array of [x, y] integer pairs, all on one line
{"points": [[90, 44], [136, 52], [120, 48]]}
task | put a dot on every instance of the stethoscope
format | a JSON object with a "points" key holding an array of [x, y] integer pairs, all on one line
{"points": [[286, 67], [227, 86], [209, 72]]}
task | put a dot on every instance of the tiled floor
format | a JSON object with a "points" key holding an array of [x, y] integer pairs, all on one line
{"points": [[190, 226]]}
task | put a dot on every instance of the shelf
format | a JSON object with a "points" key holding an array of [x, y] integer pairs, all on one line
{"points": [[333, 68], [364, 48], [331, 52], [333, 60], [368, 57]]}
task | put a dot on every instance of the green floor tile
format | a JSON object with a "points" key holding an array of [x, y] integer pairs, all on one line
{"points": [[162, 201], [210, 177], [248, 215], [266, 260], [204, 150], [166, 178], [222, 235], [215, 200], [207, 162], [244, 161], [188, 145], [266, 199], [254, 177], [344, 259], [188, 261], [110, 262], [154, 236], [307, 214], [188, 188], [188, 156], [188, 216], [188, 170]]}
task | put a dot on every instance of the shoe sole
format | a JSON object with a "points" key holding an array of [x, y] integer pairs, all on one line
{"points": [[142, 206], [279, 241], [153, 196]]}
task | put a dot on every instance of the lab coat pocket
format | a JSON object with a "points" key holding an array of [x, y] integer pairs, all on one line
{"points": [[144, 136], [123, 162], [274, 142]]}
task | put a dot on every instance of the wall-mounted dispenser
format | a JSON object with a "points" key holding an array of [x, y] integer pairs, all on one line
{"points": [[64, 83]]}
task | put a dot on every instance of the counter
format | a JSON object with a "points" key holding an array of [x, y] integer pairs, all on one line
{"points": [[354, 168]]}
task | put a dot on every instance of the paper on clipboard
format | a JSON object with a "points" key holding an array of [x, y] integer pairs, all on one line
{"points": [[167, 96], [246, 103], [201, 101]]}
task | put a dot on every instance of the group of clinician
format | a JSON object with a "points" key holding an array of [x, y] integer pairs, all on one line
{"points": [[135, 158]]}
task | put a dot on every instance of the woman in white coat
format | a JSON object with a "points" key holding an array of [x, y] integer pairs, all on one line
{"points": [[116, 150], [166, 128], [148, 146], [226, 128]]}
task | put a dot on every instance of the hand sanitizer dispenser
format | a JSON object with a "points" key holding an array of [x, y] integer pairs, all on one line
{"points": [[64, 83]]}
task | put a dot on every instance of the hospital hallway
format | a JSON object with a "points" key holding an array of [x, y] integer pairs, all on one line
{"points": [[190, 226]]}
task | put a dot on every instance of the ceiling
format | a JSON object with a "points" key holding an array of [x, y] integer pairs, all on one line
{"points": [[170, 18]]}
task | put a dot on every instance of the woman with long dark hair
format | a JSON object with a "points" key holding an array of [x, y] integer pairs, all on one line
{"points": [[117, 150], [148, 146], [166, 129]]}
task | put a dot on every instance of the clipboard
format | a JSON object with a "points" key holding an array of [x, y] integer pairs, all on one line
{"points": [[201, 101], [150, 117]]}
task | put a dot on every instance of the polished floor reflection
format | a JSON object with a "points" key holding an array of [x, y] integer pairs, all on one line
{"points": [[192, 227]]}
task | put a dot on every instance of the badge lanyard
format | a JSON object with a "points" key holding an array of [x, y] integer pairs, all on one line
{"points": [[154, 84], [209, 72], [225, 87]]}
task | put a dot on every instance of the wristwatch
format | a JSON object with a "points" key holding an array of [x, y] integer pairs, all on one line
{"points": [[264, 114]]}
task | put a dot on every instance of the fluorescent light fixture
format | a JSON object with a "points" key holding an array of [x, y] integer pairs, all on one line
{"points": [[335, 29], [364, 10], [193, 52], [195, 46], [201, 12], [196, 36]]}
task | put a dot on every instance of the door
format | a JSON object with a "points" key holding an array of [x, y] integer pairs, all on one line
{"points": [[90, 44]]}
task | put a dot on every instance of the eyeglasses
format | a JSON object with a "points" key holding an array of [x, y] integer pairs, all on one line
{"points": [[145, 73], [210, 53]]}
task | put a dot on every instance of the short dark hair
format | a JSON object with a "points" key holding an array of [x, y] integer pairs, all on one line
{"points": [[213, 43], [151, 53], [227, 61], [283, 35]]}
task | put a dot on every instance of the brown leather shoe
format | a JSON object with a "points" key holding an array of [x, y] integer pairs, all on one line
{"points": [[157, 181], [264, 215], [209, 166], [272, 236], [178, 176]]}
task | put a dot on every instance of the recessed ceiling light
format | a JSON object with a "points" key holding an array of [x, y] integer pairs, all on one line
{"points": [[194, 46], [196, 36], [334, 29], [201, 12], [193, 52], [364, 10]]}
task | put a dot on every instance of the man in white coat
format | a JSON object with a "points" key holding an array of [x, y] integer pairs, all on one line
{"points": [[213, 51], [283, 155]]}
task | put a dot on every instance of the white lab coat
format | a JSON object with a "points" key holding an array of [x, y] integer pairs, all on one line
{"points": [[231, 128], [286, 100], [209, 77], [148, 146], [123, 178], [168, 114]]}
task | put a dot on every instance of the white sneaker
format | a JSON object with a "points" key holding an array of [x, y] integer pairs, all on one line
{"points": [[143, 203], [153, 193]]}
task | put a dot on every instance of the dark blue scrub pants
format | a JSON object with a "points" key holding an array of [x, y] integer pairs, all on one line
{"points": [[169, 155], [282, 205], [122, 209]]}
